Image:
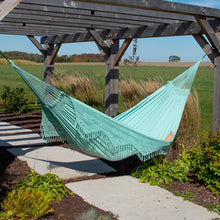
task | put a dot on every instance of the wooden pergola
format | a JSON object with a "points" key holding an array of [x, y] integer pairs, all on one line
{"points": [[106, 22]]}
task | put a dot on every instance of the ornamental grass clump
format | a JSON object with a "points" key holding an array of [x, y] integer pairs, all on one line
{"points": [[189, 130], [131, 92], [80, 87], [190, 126]]}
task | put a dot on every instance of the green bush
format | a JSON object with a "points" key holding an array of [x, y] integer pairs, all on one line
{"points": [[14, 100], [25, 204], [32, 197], [49, 183], [158, 171], [204, 161]]}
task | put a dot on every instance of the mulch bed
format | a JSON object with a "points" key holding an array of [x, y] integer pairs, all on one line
{"points": [[12, 170]]}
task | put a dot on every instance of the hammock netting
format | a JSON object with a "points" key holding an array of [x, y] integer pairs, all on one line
{"points": [[140, 130]]}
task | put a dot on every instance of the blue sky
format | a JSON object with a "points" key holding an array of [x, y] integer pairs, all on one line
{"points": [[149, 50]]}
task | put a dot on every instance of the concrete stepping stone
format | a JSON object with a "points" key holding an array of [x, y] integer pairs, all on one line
{"points": [[126, 197], [20, 139], [12, 135], [6, 128], [64, 162]]}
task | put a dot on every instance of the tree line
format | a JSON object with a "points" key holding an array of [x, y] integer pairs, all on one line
{"points": [[60, 59]]}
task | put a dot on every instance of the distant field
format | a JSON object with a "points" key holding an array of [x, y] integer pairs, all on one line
{"points": [[203, 82], [171, 64]]}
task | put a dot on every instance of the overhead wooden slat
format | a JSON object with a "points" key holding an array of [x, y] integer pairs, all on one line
{"points": [[23, 8], [159, 5], [78, 18], [35, 19], [179, 29], [86, 15], [114, 11]]}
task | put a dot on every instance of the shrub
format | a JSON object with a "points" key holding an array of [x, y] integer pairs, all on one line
{"points": [[25, 204], [156, 171], [14, 100], [32, 197], [49, 183], [204, 161]]}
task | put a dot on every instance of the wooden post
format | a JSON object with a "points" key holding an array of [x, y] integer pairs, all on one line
{"points": [[214, 40], [49, 52], [48, 65], [112, 55], [216, 95], [111, 80]]}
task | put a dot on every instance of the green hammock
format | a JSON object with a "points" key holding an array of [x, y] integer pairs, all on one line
{"points": [[141, 130]]}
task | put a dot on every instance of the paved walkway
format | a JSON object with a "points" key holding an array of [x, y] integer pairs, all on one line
{"points": [[124, 196], [132, 200]]}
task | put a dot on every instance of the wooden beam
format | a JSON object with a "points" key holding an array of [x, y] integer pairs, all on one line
{"points": [[51, 53], [54, 53], [210, 33], [121, 51], [35, 29], [204, 44], [216, 96], [100, 42], [161, 30], [6, 6], [37, 44]]}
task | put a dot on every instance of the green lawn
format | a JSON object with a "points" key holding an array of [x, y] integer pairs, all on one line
{"points": [[203, 82]]}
